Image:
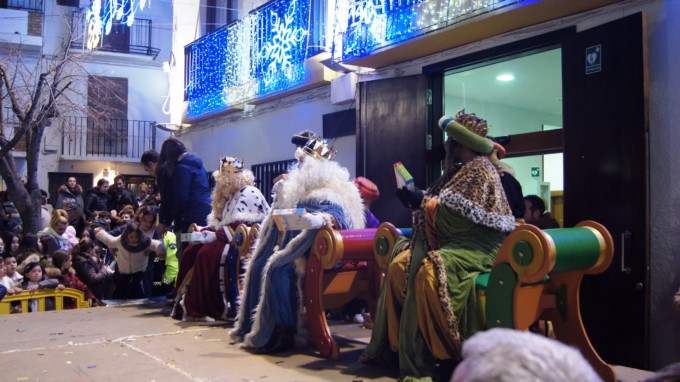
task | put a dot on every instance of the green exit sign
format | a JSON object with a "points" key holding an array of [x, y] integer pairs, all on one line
{"points": [[535, 172]]}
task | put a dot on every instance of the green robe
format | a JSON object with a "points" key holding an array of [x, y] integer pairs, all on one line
{"points": [[465, 249]]}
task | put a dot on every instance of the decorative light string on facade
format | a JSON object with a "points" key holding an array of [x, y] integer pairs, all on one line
{"points": [[261, 54], [362, 26], [265, 52], [100, 19]]}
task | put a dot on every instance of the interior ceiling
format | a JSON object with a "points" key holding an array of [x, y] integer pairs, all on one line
{"points": [[537, 85]]}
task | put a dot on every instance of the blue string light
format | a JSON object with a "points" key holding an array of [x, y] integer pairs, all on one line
{"points": [[265, 52], [364, 26], [262, 54]]}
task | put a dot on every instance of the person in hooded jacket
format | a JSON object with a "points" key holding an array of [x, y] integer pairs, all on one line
{"points": [[69, 194], [120, 196], [97, 276], [183, 185], [97, 198]]}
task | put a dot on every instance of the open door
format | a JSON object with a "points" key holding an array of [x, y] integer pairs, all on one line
{"points": [[392, 128], [606, 178]]}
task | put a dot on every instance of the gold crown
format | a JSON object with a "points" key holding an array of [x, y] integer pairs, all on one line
{"points": [[318, 148], [472, 122], [231, 164]]}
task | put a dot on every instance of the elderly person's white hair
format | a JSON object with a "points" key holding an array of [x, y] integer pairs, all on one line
{"points": [[500, 355]]}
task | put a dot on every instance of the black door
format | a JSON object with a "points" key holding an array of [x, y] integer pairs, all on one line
{"points": [[606, 178], [392, 128]]}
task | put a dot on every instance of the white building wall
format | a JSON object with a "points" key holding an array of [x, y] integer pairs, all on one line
{"points": [[148, 85], [265, 136]]}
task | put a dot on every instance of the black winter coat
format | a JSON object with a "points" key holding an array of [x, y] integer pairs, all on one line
{"points": [[96, 201]]}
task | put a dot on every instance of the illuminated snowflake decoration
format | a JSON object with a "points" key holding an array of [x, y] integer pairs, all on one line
{"points": [[261, 54], [100, 19], [278, 55]]}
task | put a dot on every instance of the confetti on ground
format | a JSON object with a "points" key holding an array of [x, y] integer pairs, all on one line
{"points": [[68, 352], [22, 379], [92, 366], [69, 362]]}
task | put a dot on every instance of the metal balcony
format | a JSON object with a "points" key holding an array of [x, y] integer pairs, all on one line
{"points": [[25, 5], [116, 139], [135, 39]]}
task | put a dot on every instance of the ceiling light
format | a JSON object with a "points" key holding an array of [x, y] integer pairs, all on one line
{"points": [[505, 77]]}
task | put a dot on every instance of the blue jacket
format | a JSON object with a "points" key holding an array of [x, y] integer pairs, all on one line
{"points": [[185, 197]]}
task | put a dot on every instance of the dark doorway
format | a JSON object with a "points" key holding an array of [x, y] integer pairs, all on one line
{"points": [[392, 128], [606, 178]]}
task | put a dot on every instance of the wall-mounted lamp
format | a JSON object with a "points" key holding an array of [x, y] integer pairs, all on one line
{"points": [[105, 173]]}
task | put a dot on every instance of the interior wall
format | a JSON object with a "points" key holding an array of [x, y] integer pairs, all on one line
{"points": [[505, 120]]}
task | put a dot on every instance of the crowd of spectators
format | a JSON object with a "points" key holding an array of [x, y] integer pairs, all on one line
{"points": [[99, 241]]}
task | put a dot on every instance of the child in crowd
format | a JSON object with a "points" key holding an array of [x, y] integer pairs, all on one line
{"points": [[10, 262], [68, 278], [7, 282], [70, 234], [2, 247], [162, 270], [131, 260], [11, 241], [30, 244], [34, 279], [10, 286]]}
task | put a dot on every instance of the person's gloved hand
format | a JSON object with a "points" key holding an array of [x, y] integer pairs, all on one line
{"points": [[410, 199]]}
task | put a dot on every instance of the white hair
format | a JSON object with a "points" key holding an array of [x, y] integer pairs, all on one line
{"points": [[500, 355]]}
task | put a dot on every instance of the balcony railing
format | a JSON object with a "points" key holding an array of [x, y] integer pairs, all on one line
{"points": [[82, 138], [135, 39], [26, 5]]}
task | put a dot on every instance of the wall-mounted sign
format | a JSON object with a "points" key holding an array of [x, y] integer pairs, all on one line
{"points": [[535, 172], [593, 59]]}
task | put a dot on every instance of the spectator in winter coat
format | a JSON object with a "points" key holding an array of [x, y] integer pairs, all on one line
{"points": [[97, 198], [52, 237], [68, 191], [99, 278], [183, 185], [46, 209], [120, 196]]}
